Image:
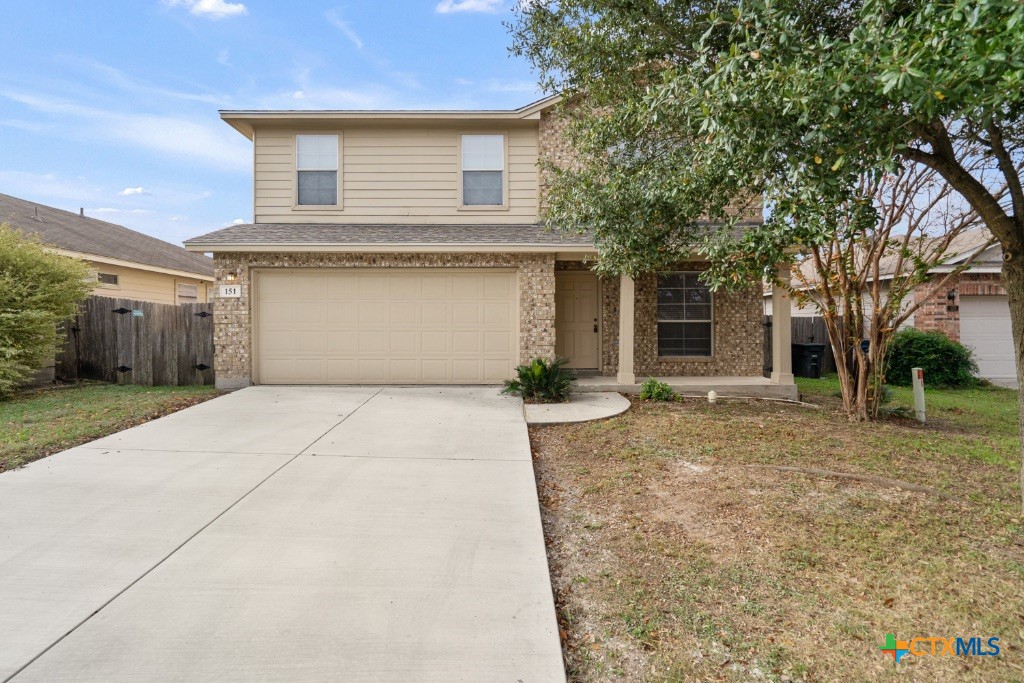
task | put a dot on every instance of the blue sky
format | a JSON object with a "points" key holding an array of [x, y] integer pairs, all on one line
{"points": [[112, 105]]}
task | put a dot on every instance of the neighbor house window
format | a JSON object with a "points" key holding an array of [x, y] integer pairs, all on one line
{"points": [[684, 315], [188, 294], [107, 279], [483, 170], [316, 162]]}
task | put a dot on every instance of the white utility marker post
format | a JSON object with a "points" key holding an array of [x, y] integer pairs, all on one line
{"points": [[918, 377]]}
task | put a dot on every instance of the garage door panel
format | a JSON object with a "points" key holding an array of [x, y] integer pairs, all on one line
{"points": [[404, 341], [498, 315], [342, 371], [372, 313], [344, 342], [386, 326], [466, 313], [985, 328], [342, 313], [373, 342], [435, 313], [466, 342]]}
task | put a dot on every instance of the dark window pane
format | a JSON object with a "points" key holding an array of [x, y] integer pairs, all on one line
{"points": [[684, 339], [672, 280], [318, 188], [482, 188], [697, 312]]}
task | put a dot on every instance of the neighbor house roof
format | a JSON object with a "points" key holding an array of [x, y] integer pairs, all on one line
{"points": [[97, 240], [962, 247], [520, 237], [243, 120]]}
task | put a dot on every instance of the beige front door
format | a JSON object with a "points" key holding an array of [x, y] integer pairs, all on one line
{"points": [[385, 326], [576, 318]]}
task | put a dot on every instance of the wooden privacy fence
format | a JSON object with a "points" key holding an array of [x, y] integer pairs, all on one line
{"points": [[138, 342], [805, 330]]}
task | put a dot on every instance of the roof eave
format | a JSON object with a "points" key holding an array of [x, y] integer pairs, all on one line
{"points": [[244, 120], [392, 247]]}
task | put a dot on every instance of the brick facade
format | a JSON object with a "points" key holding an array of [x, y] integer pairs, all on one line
{"points": [[941, 312], [737, 336], [233, 317]]}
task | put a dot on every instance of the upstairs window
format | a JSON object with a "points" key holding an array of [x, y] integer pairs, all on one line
{"points": [[316, 161], [483, 170], [109, 279], [684, 315]]}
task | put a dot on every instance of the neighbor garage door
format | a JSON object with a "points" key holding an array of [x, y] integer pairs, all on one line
{"points": [[985, 327], [375, 326]]}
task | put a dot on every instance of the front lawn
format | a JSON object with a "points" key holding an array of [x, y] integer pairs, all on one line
{"points": [[679, 553], [38, 423]]}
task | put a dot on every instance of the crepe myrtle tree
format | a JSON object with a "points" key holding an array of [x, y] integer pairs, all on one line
{"points": [[693, 108], [864, 280]]}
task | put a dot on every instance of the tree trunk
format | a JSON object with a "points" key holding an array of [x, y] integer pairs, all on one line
{"points": [[1013, 278]]}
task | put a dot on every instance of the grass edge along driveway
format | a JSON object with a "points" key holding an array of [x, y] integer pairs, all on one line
{"points": [[38, 423]]}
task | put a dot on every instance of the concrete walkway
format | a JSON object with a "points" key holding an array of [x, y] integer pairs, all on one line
{"points": [[288, 533], [596, 405]]}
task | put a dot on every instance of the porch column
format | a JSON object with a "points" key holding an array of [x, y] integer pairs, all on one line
{"points": [[782, 330], [627, 321]]}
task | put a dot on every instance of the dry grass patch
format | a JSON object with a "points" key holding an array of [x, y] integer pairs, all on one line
{"points": [[677, 556]]}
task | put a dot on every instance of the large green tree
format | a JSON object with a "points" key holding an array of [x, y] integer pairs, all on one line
{"points": [[38, 289], [695, 107]]}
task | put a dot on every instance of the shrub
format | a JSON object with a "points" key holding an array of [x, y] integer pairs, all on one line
{"points": [[543, 381], [38, 289], [946, 363], [653, 390]]}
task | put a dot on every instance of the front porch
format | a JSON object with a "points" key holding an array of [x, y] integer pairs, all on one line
{"points": [[755, 387], [617, 332]]}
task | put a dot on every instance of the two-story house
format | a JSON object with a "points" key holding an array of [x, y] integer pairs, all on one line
{"points": [[403, 247]]}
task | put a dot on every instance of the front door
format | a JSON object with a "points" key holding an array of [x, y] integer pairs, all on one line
{"points": [[576, 318]]}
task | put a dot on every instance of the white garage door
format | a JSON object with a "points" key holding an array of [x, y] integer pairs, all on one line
{"points": [[985, 327], [374, 326]]}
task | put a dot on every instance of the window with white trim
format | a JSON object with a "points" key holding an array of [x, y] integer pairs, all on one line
{"points": [[483, 170], [109, 279], [316, 163], [684, 315], [188, 294]]}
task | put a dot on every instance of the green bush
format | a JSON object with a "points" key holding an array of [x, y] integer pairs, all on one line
{"points": [[653, 390], [38, 289], [543, 381], [946, 363]]}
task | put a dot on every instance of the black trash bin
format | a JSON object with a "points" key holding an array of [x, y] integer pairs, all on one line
{"points": [[807, 360]]}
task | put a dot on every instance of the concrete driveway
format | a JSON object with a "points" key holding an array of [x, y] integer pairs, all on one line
{"points": [[284, 533]]}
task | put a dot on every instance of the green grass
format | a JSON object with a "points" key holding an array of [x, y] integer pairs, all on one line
{"points": [[38, 423]]}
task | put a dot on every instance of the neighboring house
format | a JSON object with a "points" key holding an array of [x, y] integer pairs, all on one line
{"points": [[972, 308], [126, 264], [404, 247]]}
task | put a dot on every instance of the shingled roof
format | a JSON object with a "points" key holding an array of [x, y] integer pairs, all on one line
{"points": [[310, 235], [72, 232]]}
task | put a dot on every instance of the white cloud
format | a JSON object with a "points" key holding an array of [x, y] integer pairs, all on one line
{"points": [[128, 191], [224, 57], [126, 83], [238, 221], [333, 17], [103, 209], [463, 81], [211, 9], [495, 85], [450, 6], [171, 136]]}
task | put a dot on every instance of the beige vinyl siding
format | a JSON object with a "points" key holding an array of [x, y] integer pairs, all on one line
{"points": [[144, 285], [394, 173]]}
